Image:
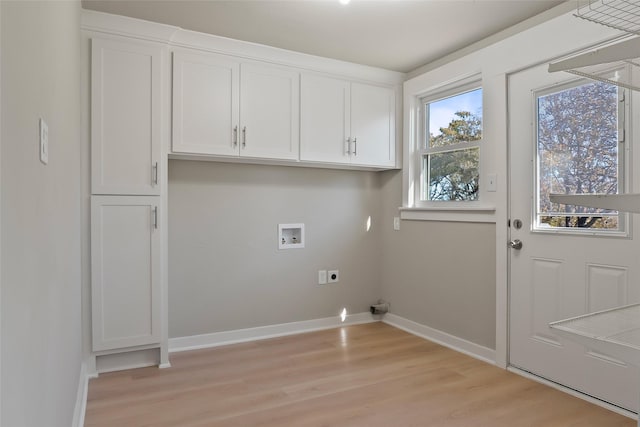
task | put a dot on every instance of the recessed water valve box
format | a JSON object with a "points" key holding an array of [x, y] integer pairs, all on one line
{"points": [[290, 236]]}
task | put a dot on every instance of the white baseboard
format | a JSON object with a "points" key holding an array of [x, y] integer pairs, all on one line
{"points": [[81, 397], [458, 344], [572, 392], [263, 332]]}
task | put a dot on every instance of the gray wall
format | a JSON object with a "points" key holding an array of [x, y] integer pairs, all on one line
{"points": [[226, 273], [225, 269], [41, 348], [439, 274]]}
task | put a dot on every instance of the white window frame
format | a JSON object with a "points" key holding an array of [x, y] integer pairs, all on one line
{"points": [[624, 164], [414, 208], [422, 145]]}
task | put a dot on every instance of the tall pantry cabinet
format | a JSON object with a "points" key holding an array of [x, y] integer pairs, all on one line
{"points": [[126, 185]]}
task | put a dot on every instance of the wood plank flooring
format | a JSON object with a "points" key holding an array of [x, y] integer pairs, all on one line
{"points": [[363, 375]]}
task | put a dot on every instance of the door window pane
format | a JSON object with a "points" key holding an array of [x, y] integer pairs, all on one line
{"points": [[577, 153]]}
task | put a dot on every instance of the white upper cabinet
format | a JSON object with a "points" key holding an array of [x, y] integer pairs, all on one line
{"points": [[347, 122], [372, 125], [269, 112], [206, 95], [225, 107], [126, 113], [324, 119]]}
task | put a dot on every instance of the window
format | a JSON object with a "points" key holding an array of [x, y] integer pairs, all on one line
{"points": [[449, 145], [579, 132]]}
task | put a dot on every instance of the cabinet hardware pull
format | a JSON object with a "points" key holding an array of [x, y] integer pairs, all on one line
{"points": [[155, 173], [348, 150], [244, 136], [155, 217], [355, 146], [235, 136]]}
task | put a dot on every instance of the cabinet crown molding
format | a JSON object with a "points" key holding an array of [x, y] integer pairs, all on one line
{"points": [[176, 37]]}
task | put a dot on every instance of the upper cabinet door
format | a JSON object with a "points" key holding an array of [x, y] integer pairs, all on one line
{"points": [[205, 104], [269, 112], [324, 119], [372, 125], [126, 105]]}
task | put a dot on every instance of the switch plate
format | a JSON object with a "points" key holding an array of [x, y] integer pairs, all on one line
{"points": [[333, 276], [492, 182], [322, 277], [396, 223], [44, 142]]}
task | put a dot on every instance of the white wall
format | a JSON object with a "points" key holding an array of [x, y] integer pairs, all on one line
{"points": [[225, 269], [41, 335]]}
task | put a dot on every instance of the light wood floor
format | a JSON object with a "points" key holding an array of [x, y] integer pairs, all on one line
{"points": [[364, 375]]}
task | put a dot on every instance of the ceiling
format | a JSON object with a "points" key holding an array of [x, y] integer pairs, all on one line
{"points": [[398, 35]]}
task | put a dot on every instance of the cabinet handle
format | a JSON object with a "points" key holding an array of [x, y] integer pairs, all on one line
{"points": [[235, 136], [155, 173], [244, 136], [348, 149], [155, 217], [355, 146]]}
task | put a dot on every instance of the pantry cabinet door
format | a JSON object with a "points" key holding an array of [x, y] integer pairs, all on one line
{"points": [[269, 112], [126, 105], [125, 271], [205, 104]]}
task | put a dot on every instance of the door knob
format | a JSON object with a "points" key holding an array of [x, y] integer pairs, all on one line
{"points": [[515, 244]]}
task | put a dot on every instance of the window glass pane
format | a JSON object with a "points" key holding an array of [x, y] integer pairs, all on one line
{"points": [[577, 147], [455, 119], [452, 175]]}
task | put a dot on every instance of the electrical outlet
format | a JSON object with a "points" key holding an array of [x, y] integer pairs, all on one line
{"points": [[322, 277], [396, 223], [334, 276]]}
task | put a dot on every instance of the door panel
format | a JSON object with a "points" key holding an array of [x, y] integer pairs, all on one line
{"points": [[125, 117], [324, 119], [269, 112], [206, 90], [125, 271], [562, 272], [372, 125]]}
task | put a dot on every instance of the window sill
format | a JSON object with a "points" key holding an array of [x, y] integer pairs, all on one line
{"points": [[476, 213]]}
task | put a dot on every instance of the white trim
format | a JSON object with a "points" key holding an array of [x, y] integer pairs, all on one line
{"points": [[81, 397], [458, 344], [572, 392], [216, 339], [473, 213], [177, 37], [0, 221]]}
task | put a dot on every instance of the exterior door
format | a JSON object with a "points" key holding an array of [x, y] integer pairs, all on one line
{"points": [[566, 136]]}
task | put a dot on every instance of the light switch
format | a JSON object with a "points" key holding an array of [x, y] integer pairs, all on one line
{"points": [[44, 142], [396, 223], [492, 182]]}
